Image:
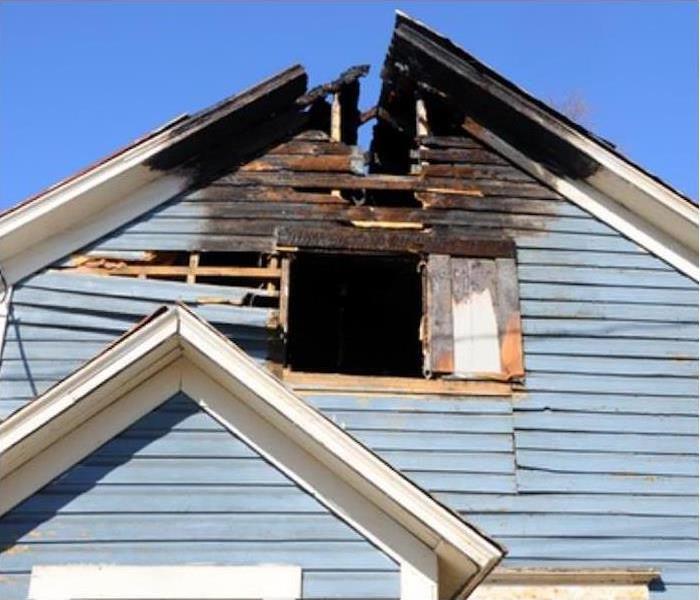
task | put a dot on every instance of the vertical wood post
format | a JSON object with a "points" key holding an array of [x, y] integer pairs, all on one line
{"points": [[194, 263]]}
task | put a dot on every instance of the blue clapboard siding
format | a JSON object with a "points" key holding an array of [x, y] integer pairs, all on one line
{"points": [[594, 464], [146, 497], [59, 320]]}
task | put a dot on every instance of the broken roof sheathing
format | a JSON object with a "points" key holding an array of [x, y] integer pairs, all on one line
{"points": [[546, 144], [193, 149]]}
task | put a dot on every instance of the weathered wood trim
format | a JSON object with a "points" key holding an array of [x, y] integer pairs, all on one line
{"points": [[306, 382], [438, 345], [572, 576], [185, 582], [561, 592]]}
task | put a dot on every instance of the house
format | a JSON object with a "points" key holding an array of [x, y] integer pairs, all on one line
{"points": [[244, 358]]}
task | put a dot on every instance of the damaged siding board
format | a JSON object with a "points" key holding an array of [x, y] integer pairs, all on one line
{"points": [[439, 350], [508, 314], [473, 317]]}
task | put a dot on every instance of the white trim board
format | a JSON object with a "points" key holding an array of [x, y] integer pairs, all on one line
{"points": [[186, 582], [441, 556], [4, 316]]}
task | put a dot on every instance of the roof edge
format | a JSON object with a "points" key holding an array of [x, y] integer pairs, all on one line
{"points": [[132, 181], [660, 213]]}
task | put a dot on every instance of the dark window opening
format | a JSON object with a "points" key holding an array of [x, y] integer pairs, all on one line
{"points": [[355, 315]]}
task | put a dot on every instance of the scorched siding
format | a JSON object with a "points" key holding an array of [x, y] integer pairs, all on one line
{"points": [[594, 464]]}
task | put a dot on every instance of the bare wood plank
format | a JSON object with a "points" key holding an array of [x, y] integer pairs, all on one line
{"points": [[459, 155], [508, 315], [169, 270], [422, 128], [394, 385], [438, 347], [450, 141], [284, 293], [349, 163], [388, 240], [273, 263], [336, 131]]}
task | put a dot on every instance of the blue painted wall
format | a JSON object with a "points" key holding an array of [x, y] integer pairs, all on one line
{"points": [[595, 464], [176, 487]]}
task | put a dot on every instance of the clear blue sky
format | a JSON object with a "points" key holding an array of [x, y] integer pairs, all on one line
{"points": [[78, 80]]}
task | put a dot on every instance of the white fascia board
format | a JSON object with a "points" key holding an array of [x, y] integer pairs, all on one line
{"points": [[28, 248], [184, 582], [397, 496], [4, 315], [235, 411], [649, 230], [46, 229]]}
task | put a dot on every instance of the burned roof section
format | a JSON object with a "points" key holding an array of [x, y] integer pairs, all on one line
{"points": [[425, 61]]}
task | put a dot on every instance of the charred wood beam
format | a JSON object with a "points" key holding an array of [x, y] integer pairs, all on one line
{"points": [[480, 183], [219, 125], [392, 241], [433, 63], [347, 77], [225, 154], [347, 163], [472, 156], [368, 115], [343, 114]]}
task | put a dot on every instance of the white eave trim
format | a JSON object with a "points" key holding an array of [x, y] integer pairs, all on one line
{"points": [[84, 209], [193, 353]]}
